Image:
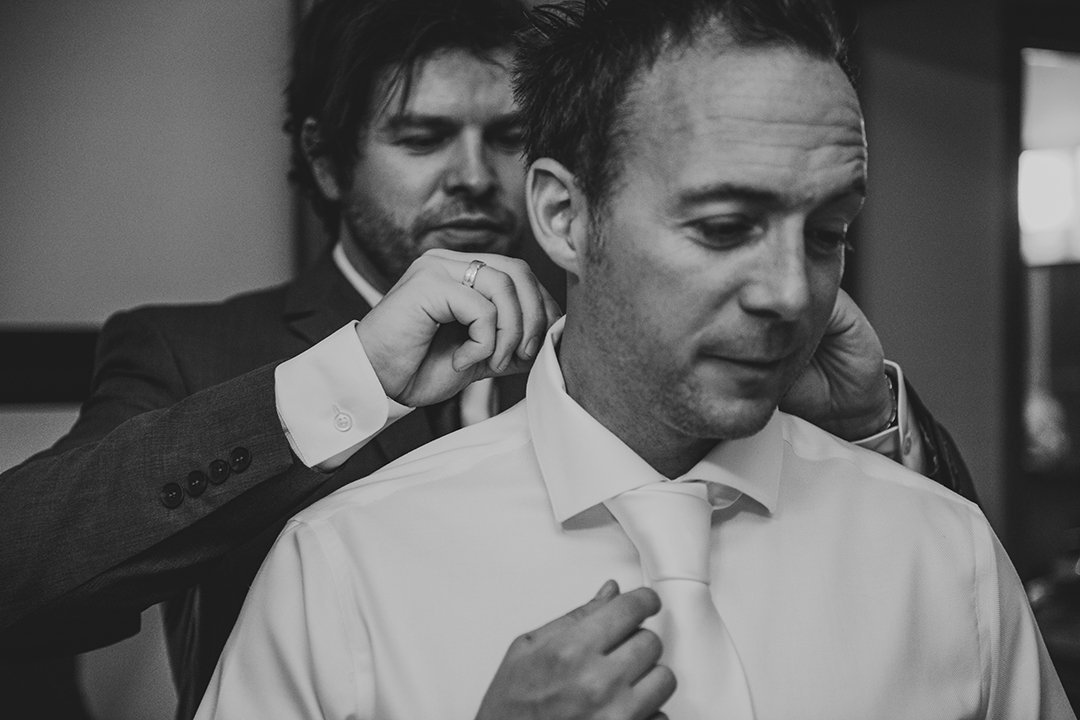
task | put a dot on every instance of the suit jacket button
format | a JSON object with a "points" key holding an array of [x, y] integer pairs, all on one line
{"points": [[239, 459], [219, 470], [196, 483], [171, 495]]}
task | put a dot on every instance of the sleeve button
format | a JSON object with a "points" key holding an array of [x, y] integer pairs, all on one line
{"points": [[239, 459], [343, 422], [219, 471], [196, 483], [171, 495]]}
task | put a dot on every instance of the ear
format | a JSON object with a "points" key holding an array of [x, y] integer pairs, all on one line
{"points": [[322, 167], [558, 214]]}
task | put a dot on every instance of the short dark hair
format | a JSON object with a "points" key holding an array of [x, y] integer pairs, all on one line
{"points": [[574, 66], [344, 46]]}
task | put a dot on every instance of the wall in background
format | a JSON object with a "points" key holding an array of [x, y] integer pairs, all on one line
{"points": [[933, 239], [141, 154], [141, 160]]}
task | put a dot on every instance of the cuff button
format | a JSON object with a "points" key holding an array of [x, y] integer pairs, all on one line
{"points": [[239, 459], [196, 483], [343, 422], [171, 495], [219, 471]]}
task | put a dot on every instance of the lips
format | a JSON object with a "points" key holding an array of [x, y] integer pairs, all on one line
{"points": [[480, 223], [765, 363]]}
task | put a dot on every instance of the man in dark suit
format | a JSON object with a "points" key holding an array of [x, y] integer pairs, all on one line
{"points": [[210, 425]]}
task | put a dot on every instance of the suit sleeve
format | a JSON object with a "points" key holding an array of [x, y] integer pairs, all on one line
{"points": [[87, 536], [944, 464]]}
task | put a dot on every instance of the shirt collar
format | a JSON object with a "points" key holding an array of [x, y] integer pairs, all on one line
{"points": [[367, 290], [583, 463]]}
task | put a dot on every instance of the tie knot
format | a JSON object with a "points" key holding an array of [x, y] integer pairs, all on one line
{"points": [[669, 525]]}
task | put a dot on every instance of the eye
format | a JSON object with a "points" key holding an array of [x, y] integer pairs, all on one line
{"points": [[510, 139], [826, 240], [420, 142], [729, 231]]}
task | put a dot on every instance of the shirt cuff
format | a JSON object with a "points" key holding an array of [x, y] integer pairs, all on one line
{"points": [[330, 401], [901, 441]]}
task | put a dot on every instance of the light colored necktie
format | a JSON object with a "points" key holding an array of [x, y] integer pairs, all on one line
{"points": [[669, 525]]}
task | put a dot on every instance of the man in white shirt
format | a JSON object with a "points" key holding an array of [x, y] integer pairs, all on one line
{"points": [[694, 168], [210, 425]]}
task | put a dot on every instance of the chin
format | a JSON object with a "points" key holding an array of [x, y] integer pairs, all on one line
{"points": [[723, 418], [493, 243]]}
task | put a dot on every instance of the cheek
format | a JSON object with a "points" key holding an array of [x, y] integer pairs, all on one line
{"points": [[400, 187], [824, 287], [511, 172]]}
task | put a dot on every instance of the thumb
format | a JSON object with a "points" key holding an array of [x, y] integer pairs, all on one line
{"points": [[516, 366], [608, 591]]}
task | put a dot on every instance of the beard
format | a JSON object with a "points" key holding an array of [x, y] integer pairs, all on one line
{"points": [[696, 412], [392, 248]]}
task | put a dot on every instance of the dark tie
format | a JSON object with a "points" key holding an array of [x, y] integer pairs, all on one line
{"points": [[445, 416]]}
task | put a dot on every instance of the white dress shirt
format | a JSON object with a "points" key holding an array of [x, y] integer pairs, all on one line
{"points": [[852, 588]]}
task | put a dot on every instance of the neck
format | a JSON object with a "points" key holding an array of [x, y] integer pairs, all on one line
{"points": [[361, 262], [595, 378]]}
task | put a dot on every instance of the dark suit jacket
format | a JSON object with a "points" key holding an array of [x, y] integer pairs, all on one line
{"points": [[86, 541]]}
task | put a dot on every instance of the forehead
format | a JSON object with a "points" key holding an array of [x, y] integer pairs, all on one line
{"points": [[452, 83], [776, 118]]}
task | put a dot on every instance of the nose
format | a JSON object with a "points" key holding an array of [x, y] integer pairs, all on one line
{"points": [[778, 287], [470, 171]]}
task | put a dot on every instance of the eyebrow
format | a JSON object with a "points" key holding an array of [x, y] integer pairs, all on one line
{"points": [[415, 121], [768, 199]]}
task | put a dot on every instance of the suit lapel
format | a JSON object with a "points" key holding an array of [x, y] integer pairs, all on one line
{"points": [[319, 303]]}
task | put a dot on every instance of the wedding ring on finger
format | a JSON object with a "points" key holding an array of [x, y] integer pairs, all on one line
{"points": [[470, 273]]}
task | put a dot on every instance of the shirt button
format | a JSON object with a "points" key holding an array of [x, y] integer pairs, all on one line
{"points": [[239, 459], [343, 422], [219, 470], [171, 495], [196, 483]]}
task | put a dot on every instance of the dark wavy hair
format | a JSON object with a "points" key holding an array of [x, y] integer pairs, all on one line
{"points": [[574, 66], [342, 51]]}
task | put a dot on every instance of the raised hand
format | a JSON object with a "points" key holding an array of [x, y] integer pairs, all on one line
{"points": [[432, 335], [594, 662], [843, 389]]}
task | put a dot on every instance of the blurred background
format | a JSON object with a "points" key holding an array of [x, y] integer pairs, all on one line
{"points": [[142, 160]]}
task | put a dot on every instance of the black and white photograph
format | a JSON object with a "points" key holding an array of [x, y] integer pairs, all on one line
{"points": [[540, 360]]}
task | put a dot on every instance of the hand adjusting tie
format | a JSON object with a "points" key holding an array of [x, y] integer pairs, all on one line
{"points": [[470, 273]]}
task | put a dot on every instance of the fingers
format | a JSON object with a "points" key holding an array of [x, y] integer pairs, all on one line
{"points": [[511, 307], [650, 693], [608, 591], [638, 654], [524, 310], [620, 618], [538, 309], [595, 661], [607, 620], [457, 303]]}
